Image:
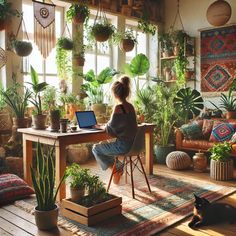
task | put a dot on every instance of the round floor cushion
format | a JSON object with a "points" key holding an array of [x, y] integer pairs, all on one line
{"points": [[178, 160]]}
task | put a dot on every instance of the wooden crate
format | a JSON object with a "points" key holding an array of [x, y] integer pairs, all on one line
{"points": [[91, 215]]}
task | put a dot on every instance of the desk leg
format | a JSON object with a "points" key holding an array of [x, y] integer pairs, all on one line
{"points": [[149, 152], [27, 160], [60, 164]]}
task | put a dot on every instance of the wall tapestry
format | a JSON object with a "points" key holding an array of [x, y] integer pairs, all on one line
{"points": [[218, 58]]}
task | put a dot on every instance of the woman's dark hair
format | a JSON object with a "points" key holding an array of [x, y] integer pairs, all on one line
{"points": [[121, 89]]}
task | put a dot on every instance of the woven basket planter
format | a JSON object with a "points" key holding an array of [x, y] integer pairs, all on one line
{"points": [[220, 170]]}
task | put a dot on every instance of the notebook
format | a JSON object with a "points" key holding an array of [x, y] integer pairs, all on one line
{"points": [[86, 120]]}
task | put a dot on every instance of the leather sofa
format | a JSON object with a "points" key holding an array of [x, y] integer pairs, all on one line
{"points": [[196, 145]]}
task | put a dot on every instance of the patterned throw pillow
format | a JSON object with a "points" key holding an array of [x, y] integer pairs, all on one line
{"points": [[191, 131], [207, 128], [222, 132], [13, 188]]}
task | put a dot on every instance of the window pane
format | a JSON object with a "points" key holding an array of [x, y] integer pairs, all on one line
{"points": [[50, 64], [89, 62], [141, 46], [53, 81], [103, 62]]}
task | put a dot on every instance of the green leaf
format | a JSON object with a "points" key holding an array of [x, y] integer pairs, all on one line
{"points": [[139, 65], [34, 76], [106, 75]]}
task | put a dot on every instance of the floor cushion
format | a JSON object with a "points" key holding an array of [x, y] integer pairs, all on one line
{"points": [[13, 188], [178, 160]]}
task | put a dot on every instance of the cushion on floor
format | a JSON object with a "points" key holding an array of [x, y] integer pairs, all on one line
{"points": [[13, 188]]}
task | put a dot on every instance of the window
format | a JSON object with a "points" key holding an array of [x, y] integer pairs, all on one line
{"points": [[46, 68]]}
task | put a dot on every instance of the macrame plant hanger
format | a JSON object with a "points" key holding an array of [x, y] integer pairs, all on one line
{"points": [[100, 16], [177, 15], [17, 32], [44, 27], [68, 30]]}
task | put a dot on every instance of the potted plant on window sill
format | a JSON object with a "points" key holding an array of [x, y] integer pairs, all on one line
{"points": [[39, 119], [43, 179], [78, 13], [221, 165]]}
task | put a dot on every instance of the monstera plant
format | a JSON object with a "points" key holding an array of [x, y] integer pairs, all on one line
{"points": [[188, 102]]}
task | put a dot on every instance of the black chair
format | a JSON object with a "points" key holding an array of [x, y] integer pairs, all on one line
{"points": [[133, 158]]}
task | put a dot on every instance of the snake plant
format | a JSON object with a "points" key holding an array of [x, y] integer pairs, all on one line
{"points": [[43, 179]]}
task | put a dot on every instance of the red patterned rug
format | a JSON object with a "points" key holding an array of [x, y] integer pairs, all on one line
{"points": [[218, 55], [170, 201]]}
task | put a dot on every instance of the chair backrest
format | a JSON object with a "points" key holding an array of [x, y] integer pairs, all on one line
{"points": [[138, 144]]}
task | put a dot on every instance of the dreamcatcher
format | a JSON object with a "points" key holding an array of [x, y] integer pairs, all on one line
{"points": [[44, 27], [3, 58]]}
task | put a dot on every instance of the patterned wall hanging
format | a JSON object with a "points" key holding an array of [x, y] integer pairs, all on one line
{"points": [[218, 58], [3, 57], [44, 27]]}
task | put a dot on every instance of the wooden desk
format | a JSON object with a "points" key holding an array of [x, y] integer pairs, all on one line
{"points": [[61, 140]]}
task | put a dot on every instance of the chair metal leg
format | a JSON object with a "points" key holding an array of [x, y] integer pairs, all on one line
{"points": [[144, 173], [131, 175], [112, 173], [126, 169]]}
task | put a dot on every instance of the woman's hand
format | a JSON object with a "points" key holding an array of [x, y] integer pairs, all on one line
{"points": [[99, 126]]}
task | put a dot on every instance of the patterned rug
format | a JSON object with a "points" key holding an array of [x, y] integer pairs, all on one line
{"points": [[170, 201]]}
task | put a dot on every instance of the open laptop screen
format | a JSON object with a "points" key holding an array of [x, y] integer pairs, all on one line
{"points": [[86, 119]]}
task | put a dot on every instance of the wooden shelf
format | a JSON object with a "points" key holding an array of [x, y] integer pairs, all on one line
{"points": [[168, 58]]}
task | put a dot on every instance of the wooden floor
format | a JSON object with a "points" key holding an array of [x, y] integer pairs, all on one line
{"points": [[14, 221]]}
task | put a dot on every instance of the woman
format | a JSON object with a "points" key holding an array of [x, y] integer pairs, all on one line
{"points": [[122, 125]]}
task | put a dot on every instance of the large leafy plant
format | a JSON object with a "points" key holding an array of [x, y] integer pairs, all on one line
{"points": [[138, 66], [6, 10], [94, 84], [37, 88], [43, 179], [188, 103], [221, 151]]}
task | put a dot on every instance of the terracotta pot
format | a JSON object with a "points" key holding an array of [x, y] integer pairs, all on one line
{"points": [[102, 36], [200, 162], [230, 115], [188, 74], [76, 194], [220, 170], [79, 61], [127, 45], [55, 120], [39, 121], [46, 220], [218, 13], [78, 19]]}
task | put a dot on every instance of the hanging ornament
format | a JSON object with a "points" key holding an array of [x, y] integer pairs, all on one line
{"points": [[218, 13], [3, 57], [44, 27]]}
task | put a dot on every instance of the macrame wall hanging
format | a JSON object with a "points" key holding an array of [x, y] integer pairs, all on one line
{"points": [[3, 57], [44, 27]]}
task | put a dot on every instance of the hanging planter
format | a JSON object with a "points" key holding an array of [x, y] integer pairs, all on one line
{"points": [[79, 60], [65, 43]]}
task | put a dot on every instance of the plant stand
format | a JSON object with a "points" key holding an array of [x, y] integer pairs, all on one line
{"points": [[221, 170], [91, 215]]}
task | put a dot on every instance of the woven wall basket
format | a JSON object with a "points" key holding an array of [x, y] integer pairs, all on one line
{"points": [[221, 170]]}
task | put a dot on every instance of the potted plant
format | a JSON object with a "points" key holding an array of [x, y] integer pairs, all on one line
{"points": [[178, 39], [43, 180], [65, 43], [221, 165], [78, 13], [166, 44], [78, 180], [39, 119], [147, 27], [189, 103], [227, 102], [94, 88], [80, 56], [126, 40], [5, 13]]}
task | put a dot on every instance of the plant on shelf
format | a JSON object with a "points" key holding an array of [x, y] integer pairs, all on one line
{"points": [[221, 165], [147, 27], [78, 180], [189, 103], [6, 12], [39, 118], [166, 44], [178, 38], [43, 179], [78, 13], [126, 40]]}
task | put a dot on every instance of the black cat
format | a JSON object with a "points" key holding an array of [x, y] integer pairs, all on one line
{"points": [[206, 213]]}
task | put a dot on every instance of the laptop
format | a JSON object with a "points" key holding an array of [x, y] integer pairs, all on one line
{"points": [[86, 120]]}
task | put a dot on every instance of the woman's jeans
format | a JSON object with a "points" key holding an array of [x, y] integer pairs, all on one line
{"points": [[105, 153]]}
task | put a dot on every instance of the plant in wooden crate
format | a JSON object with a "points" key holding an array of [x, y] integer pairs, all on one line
{"points": [[221, 165], [126, 40], [39, 119], [43, 179], [78, 179], [96, 206], [78, 13]]}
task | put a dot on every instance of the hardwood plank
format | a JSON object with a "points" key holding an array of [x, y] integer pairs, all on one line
{"points": [[4, 233], [12, 229]]}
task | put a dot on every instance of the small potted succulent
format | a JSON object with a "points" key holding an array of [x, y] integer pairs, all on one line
{"points": [[126, 40], [78, 13]]}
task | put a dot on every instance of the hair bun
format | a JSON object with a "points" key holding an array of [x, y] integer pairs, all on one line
{"points": [[125, 80]]}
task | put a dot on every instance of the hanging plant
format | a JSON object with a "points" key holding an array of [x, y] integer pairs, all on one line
{"points": [[65, 43], [147, 27], [78, 13]]}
